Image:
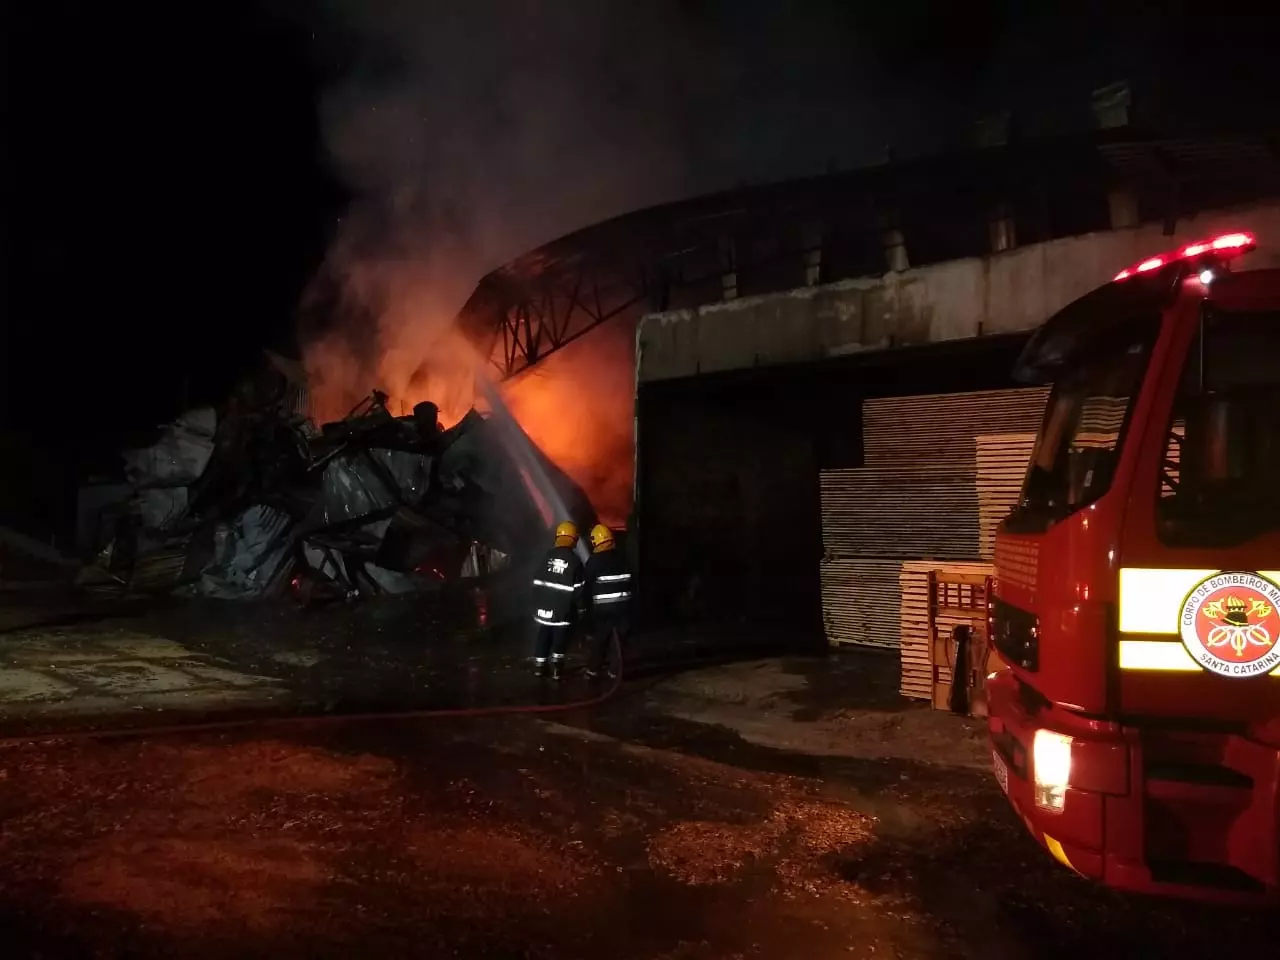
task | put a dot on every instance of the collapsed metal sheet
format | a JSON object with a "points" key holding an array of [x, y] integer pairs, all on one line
{"points": [[366, 482], [179, 457], [371, 504], [252, 556]]}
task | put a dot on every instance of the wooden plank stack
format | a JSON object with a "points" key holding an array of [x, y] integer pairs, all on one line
{"points": [[1002, 460], [901, 510], [941, 426], [941, 471], [861, 601]]}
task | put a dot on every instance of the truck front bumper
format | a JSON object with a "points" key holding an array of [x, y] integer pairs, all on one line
{"points": [[1142, 811]]}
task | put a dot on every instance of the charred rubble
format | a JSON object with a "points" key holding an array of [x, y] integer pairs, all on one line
{"points": [[255, 502]]}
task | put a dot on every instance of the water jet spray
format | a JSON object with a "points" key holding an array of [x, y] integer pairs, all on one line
{"points": [[518, 445]]}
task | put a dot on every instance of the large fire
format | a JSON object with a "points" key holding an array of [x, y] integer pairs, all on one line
{"points": [[576, 405]]}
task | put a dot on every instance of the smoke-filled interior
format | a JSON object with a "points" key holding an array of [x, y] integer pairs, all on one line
{"points": [[460, 157]]}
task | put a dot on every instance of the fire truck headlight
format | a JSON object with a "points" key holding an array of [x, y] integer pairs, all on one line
{"points": [[1051, 769]]}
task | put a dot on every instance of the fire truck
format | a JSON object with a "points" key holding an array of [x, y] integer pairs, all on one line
{"points": [[1135, 716]]}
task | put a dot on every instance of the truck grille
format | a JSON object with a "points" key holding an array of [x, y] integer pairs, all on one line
{"points": [[1015, 633]]}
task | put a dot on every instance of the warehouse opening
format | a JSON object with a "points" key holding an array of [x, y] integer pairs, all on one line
{"points": [[752, 483]]}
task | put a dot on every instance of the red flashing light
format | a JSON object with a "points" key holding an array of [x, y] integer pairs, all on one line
{"points": [[1233, 241], [1227, 243]]}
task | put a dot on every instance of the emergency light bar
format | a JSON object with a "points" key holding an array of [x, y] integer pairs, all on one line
{"points": [[1226, 245]]}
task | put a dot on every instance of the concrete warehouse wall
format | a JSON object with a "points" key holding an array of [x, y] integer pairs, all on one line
{"points": [[1004, 293]]}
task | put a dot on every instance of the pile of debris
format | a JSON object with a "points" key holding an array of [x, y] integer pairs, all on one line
{"points": [[257, 502]]}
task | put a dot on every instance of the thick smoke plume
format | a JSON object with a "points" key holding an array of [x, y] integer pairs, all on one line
{"points": [[469, 134]]}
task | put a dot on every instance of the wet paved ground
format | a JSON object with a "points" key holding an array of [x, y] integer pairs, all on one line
{"points": [[210, 658], [205, 659], [789, 808], [94, 671]]}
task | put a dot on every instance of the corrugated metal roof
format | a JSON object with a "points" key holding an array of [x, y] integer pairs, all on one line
{"points": [[674, 250], [1190, 155], [647, 231]]}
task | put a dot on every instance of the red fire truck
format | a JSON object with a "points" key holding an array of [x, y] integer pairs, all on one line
{"points": [[1135, 719]]}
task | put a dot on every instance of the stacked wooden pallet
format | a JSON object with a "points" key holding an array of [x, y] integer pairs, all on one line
{"points": [[860, 601], [1002, 460], [919, 626], [915, 632]]}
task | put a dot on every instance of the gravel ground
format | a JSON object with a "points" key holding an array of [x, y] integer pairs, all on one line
{"points": [[500, 838], [523, 838], [781, 808]]}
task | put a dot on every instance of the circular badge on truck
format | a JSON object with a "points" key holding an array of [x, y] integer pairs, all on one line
{"points": [[1230, 624]]}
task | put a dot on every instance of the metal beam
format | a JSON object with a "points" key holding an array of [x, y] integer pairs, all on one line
{"points": [[537, 318]]}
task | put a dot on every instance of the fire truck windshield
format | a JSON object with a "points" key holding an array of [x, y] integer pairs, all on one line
{"points": [[1080, 440], [1222, 455]]}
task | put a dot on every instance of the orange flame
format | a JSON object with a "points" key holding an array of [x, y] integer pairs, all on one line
{"points": [[576, 405]]}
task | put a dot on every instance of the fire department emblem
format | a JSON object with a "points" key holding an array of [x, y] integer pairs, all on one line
{"points": [[1230, 624]]}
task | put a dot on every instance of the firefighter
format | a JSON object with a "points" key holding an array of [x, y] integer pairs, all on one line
{"points": [[557, 591], [608, 599]]}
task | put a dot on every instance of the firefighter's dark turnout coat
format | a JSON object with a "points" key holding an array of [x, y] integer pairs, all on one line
{"points": [[557, 587], [608, 588]]}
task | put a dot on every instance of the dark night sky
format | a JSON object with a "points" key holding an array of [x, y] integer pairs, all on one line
{"points": [[167, 197], [164, 204]]}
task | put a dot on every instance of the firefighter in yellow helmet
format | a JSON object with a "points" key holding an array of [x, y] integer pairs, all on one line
{"points": [[557, 589], [608, 599]]}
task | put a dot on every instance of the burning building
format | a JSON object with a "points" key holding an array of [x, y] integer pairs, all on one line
{"points": [[255, 500], [757, 286]]}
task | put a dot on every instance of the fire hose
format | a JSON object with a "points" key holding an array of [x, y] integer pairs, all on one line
{"points": [[213, 726]]}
